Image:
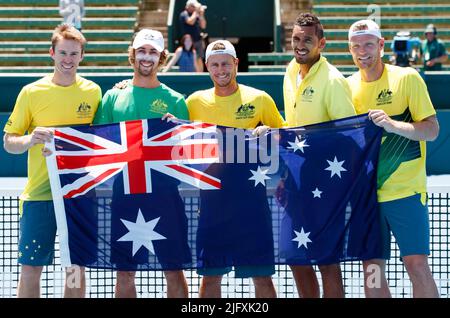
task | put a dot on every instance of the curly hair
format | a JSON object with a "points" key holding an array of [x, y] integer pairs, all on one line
{"points": [[309, 19]]}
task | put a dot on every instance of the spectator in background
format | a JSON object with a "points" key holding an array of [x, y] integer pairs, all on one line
{"points": [[433, 50], [185, 56], [72, 11], [192, 22]]}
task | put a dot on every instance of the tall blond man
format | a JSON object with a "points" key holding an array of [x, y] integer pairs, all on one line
{"points": [[62, 98], [397, 100]]}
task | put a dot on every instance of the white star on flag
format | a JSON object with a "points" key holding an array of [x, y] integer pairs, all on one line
{"points": [[259, 176], [317, 193], [141, 233], [336, 167], [302, 238], [298, 145]]}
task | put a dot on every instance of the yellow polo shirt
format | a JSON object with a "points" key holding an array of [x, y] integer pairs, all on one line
{"points": [[323, 95], [45, 104], [245, 109], [403, 95]]}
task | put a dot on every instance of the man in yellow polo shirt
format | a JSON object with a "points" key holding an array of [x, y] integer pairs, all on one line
{"points": [[397, 100], [314, 92], [63, 98], [234, 105]]}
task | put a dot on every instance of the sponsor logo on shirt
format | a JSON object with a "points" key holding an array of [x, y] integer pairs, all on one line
{"points": [[245, 111], [84, 110], [308, 94], [158, 106], [384, 97]]}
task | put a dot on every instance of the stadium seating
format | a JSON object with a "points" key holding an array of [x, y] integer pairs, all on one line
{"points": [[410, 9], [53, 11], [404, 2], [53, 2], [45, 35], [26, 27], [338, 15], [28, 46], [81, 69]]}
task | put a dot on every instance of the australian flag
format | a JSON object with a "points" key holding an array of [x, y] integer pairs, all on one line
{"points": [[157, 195], [327, 191]]}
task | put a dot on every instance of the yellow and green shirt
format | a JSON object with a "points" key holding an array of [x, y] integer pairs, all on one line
{"points": [[403, 95], [45, 104], [245, 109], [323, 95]]}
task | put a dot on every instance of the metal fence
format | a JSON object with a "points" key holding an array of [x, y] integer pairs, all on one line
{"points": [[100, 283]]}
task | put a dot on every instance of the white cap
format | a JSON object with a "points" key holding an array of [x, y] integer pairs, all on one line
{"points": [[192, 3], [148, 36], [372, 29], [229, 49]]}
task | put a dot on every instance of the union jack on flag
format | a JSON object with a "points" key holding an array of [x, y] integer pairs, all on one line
{"points": [[96, 158], [114, 185]]}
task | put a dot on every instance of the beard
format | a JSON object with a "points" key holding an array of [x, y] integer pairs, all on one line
{"points": [[370, 64], [147, 71], [307, 59]]}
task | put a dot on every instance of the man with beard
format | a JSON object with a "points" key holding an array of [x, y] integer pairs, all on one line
{"points": [[146, 97], [397, 100], [234, 105], [314, 92]]}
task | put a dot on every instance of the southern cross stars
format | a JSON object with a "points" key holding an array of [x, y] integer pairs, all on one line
{"points": [[335, 167], [298, 145], [302, 238], [317, 193], [259, 176], [141, 233]]}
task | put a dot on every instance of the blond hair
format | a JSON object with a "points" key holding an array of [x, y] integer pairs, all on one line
{"points": [[67, 32]]}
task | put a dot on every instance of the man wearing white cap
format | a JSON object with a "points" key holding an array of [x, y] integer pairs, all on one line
{"points": [[192, 22], [146, 97], [397, 100], [314, 92], [234, 105]]}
